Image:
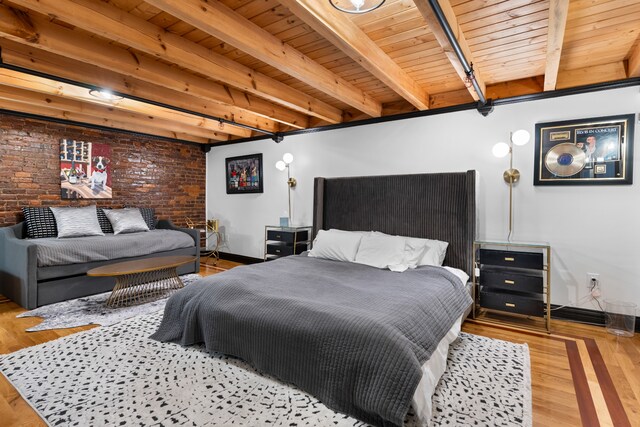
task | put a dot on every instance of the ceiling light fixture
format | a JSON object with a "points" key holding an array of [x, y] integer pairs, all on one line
{"points": [[356, 6], [105, 95]]}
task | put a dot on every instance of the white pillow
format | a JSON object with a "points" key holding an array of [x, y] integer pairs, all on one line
{"points": [[382, 251], [336, 245], [127, 220], [414, 251], [77, 222], [422, 251], [436, 253]]}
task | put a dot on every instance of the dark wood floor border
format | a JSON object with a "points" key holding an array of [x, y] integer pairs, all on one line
{"points": [[588, 413], [614, 404]]}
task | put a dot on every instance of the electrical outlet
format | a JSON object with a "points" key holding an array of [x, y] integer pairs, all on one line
{"points": [[591, 277]]}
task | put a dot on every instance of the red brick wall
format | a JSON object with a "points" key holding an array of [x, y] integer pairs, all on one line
{"points": [[169, 176]]}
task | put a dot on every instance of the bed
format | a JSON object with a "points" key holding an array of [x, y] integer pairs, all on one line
{"points": [[365, 341]]}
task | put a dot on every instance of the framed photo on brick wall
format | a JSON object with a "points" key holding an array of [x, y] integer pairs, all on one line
{"points": [[244, 174], [85, 171]]}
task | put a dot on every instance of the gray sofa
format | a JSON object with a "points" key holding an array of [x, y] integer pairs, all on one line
{"points": [[31, 286]]}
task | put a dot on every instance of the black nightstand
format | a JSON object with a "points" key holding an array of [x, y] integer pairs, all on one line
{"points": [[284, 241], [512, 283]]}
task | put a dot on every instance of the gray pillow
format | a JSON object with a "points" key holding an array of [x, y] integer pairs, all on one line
{"points": [[128, 220], [77, 222]]}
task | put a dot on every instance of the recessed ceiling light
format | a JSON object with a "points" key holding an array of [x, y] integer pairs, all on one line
{"points": [[105, 94]]}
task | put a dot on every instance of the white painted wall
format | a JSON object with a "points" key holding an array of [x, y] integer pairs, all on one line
{"points": [[591, 229]]}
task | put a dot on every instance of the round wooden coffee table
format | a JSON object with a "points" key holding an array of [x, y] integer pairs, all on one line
{"points": [[142, 280]]}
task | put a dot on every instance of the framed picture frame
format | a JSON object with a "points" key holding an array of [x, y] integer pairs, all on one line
{"points": [[85, 170], [244, 174], [594, 151]]}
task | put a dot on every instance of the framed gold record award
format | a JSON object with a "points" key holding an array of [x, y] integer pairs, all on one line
{"points": [[596, 151]]}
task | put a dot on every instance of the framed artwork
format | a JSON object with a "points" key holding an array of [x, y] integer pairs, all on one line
{"points": [[244, 174], [596, 151], [85, 171]]}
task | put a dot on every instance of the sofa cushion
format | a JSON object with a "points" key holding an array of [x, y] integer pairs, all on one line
{"points": [[63, 272], [77, 222], [40, 223], [128, 220], [52, 251]]}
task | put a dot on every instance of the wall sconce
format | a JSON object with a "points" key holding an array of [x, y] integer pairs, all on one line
{"points": [[356, 6], [511, 175], [281, 165]]}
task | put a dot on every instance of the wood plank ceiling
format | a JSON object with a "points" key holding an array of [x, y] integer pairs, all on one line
{"points": [[278, 65]]}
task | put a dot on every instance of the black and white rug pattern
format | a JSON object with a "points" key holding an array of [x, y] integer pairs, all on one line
{"points": [[118, 376], [92, 310]]}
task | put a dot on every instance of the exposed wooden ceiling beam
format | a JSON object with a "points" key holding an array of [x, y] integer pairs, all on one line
{"points": [[101, 112], [17, 23], [558, 11], [69, 43], [634, 61], [434, 26], [45, 111], [592, 74], [45, 62], [216, 19], [10, 78], [117, 25], [338, 29]]}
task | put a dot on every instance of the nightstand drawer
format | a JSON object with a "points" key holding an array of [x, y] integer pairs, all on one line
{"points": [[512, 282], [282, 249], [512, 303], [287, 236], [531, 260]]}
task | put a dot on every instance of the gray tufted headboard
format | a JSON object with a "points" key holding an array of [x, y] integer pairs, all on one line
{"points": [[438, 206]]}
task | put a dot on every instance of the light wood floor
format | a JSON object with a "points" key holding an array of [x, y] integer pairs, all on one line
{"points": [[580, 375]]}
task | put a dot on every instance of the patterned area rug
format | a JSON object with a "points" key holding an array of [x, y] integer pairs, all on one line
{"points": [[93, 310], [118, 376]]}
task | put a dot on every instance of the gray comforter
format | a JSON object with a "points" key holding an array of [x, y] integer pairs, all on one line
{"points": [[78, 250], [353, 336]]}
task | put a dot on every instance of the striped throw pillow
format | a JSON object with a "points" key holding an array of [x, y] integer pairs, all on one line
{"points": [[105, 225], [40, 223]]}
